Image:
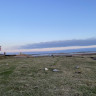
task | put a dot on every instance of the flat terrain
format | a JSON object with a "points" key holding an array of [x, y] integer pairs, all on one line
{"points": [[28, 77]]}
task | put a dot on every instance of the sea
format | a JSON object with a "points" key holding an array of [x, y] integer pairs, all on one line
{"points": [[49, 53]]}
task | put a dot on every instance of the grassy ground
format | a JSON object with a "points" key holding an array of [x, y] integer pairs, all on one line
{"points": [[27, 77]]}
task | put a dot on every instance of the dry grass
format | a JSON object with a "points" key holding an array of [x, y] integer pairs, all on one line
{"points": [[27, 77]]}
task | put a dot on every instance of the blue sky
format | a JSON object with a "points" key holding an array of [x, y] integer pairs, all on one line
{"points": [[25, 22]]}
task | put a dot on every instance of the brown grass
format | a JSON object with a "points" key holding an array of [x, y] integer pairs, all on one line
{"points": [[27, 77]]}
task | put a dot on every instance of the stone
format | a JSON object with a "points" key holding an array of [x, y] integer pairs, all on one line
{"points": [[46, 69], [77, 67], [55, 70]]}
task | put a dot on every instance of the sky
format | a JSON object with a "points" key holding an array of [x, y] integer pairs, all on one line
{"points": [[27, 22]]}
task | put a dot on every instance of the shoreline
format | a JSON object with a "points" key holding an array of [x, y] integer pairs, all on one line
{"points": [[51, 54]]}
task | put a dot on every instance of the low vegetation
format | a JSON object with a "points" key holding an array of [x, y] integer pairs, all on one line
{"points": [[28, 77]]}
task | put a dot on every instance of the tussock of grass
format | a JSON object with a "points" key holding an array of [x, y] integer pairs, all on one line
{"points": [[27, 77]]}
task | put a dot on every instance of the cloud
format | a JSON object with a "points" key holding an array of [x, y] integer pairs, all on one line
{"points": [[56, 46], [65, 43]]}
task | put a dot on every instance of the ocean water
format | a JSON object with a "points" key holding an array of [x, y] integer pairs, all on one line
{"points": [[85, 50]]}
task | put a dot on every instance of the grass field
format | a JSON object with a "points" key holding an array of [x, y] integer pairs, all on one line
{"points": [[27, 77]]}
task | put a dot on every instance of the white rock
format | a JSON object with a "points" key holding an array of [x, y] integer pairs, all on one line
{"points": [[46, 69]]}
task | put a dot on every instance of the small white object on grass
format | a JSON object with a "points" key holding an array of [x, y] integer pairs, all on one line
{"points": [[46, 69], [55, 70]]}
